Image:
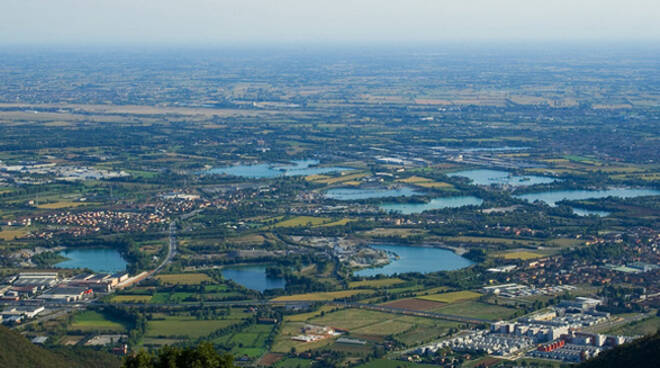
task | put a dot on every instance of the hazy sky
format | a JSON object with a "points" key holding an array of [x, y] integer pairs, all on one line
{"points": [[204, 22]]}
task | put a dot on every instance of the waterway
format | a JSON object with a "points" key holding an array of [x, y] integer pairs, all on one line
{"points": [[416, 259], [500, 177], [434, 204], [253, 277], [96, 259]]}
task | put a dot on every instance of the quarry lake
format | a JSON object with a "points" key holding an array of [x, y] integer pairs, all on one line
{"points": [[552, 197], [253, 277], [96, 259], [350, 194], [434, 204], [488, 177], [260, 171], [415, 259]]}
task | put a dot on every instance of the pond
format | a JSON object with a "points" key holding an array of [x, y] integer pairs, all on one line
{"points": [[488, 177], [434, 204], [352, 194], [253, 277], [96, 259], [416, 259], [259, 171], [552, 197]]}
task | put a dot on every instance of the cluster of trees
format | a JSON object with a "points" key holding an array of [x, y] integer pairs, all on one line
{"points": [[203, 355]]}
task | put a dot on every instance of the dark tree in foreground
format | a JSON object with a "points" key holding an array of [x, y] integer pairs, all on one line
{"points": [[203, 355]]}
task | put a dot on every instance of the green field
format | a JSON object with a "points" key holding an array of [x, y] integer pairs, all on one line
{"points": [[184, 278], [186, 326], [647, 326], [96, 321], [378, 283], [475, 309], [250, 341], [303, 221], [352, 319]]}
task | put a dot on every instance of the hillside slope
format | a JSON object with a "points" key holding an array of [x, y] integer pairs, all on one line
{"points": [[639, 354], [17, 351]]}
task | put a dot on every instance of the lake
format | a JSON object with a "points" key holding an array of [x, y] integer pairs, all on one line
{"points": [[253, 277], [488, 177], [96, 259], [260, 171], [352, 194], [434, 204], [552, 197], [416, 259]]}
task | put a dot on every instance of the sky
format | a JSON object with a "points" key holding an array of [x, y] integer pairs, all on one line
{"points": [[237, 22]]}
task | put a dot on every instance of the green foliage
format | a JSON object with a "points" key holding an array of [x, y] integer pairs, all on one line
{"points": [[642, 353], [203, 355], [17, 351]]}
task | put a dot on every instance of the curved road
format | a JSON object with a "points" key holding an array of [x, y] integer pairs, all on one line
{"points": [[171, 250]]}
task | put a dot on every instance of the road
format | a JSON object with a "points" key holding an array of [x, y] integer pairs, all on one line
{"points": [[171, 250]]}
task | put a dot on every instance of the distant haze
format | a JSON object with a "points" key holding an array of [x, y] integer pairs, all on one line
{"points": [[208, 22]]}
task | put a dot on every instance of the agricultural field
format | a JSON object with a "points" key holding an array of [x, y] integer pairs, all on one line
{"points": [[62, 204], [451, 297], [330, 180], [97, 322], [303, 221], [352, 319], [522, 255], [426, 183], [323, 296], [184, 278], [475, 309], [378, 283], [250, 341], [417, 304], [647, 326], [131, 299], [187, 327], [425, 329], [302, 317], [11, 234]]}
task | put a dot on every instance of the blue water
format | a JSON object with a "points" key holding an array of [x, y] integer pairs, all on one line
{"points": [[416, 259], [585, 212], [259, 171], [349, 194], [434, 204], [96, 259], [553, 197], [253, 277], [488, 177]]}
